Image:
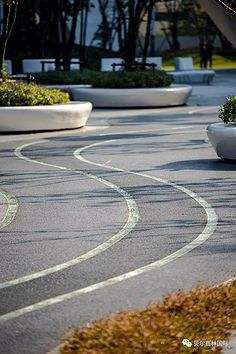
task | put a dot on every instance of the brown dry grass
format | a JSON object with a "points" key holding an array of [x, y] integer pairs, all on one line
{"points": [[206, 313]]}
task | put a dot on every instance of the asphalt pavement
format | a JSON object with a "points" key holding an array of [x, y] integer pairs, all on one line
{"points": [[112, 217]]}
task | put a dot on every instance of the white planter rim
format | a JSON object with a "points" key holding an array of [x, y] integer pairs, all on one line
{"points": [[44, 118], [174, 95], [57, 105]]}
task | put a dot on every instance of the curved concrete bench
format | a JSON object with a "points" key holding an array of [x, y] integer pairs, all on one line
{"points": [[186, 74], [39, 118], [193, 76], [175, 95]]}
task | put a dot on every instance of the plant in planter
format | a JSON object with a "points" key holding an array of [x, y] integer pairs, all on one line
{"points": [[120, 89], [20, 94], [223, 135], [123, 79], [33, 108]]}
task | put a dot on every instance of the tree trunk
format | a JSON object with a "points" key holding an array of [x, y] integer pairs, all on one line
{"points": [[9, 22], [148, 32]]}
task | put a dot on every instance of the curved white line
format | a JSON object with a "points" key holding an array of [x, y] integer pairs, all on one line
{"points": [[12, 207], [210, 227], [133, 216]]}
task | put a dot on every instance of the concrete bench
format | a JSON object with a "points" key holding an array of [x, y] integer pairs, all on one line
{"points": [[186, 74], [107, 63], [35, 65], [8, 66], [154, 60]]}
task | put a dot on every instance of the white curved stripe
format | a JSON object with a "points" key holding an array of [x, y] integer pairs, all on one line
{"points": [[210, 227], [12, 207], [133, 216]]}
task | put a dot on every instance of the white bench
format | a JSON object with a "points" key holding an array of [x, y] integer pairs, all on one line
{"points": [[186, 74], [75, 66], [35, 65], [150, 60], [107, 63], [8, 66]]}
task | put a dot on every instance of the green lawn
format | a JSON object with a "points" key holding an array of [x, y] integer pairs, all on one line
{"points": [[219, 61]]}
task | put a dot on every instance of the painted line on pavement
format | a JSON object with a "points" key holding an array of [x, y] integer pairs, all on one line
{"points": [[212, 220], [133, 217], [12, 207]]}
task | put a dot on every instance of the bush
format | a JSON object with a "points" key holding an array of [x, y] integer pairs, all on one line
{"points": [[205, 313], [228, 110], [20, 94], [122, 79]]}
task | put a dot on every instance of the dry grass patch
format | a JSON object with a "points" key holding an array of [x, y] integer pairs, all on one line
{"points": [[206, 313]]}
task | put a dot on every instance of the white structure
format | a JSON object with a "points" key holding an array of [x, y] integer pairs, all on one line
{"points": [[186, 74], [223, 139], [106, 64], [184, 63], [152, 60], [35, 65], [8, 66], [175, 95], [39, 118]]}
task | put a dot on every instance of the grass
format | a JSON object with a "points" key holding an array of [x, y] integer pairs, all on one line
{"points": [[205, 313], [220, 61]]}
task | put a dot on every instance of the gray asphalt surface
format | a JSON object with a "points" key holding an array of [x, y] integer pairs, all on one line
{"points": [[64, 213]]}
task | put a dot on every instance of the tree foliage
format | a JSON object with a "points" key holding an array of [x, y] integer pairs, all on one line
{"points": [[10, 8]]}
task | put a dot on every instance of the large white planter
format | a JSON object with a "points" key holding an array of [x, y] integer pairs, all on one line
{"points": [[175, 95], [43, 118], [223, 139]]}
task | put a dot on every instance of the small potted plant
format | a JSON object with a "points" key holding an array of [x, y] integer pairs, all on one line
{"points": [[223, 135]]}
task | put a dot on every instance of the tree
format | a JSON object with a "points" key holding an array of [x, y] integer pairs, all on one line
{"points": [[130, 15], [66, 14], [10, 8], [173, 11], [150, 10], [106, 29]]}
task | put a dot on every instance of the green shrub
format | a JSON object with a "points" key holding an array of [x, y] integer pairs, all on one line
{"points": [[20, 94], [228, 110], [122, 79]]}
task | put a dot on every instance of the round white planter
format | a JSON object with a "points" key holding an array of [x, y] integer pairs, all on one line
{"points": [[175, 95], [39, 118], [223, 139]]}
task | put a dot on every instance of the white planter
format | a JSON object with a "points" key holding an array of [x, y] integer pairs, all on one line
{"points": [[175, 95], [223, 139], [39, 118]]}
